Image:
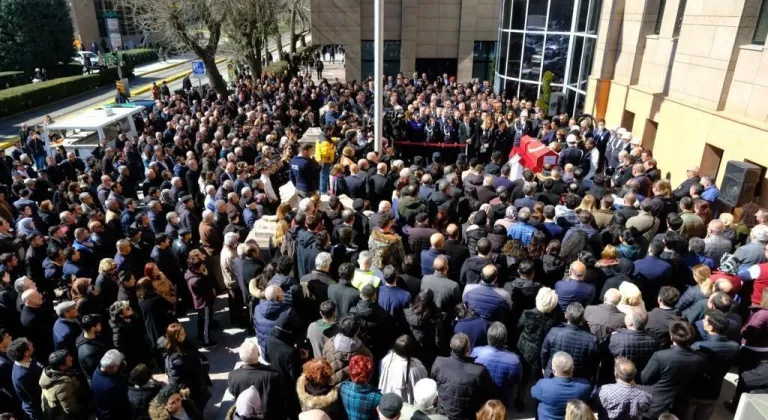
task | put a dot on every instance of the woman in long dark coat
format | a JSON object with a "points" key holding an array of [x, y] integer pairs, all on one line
{"points": [[156, 312]]}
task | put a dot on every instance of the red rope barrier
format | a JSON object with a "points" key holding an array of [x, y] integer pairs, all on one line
{"points": [[444, 145]]}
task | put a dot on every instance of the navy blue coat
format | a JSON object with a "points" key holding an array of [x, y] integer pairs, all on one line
{"points": [[569, 291], [553, 395], [353, 186], [579, 343], [304, 173], [486, 302], [110, 393], [264, 318], [721, 353], [65, 335], [27, 387]]}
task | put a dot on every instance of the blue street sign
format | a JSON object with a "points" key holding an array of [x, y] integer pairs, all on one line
{"points": [[198, 68]]}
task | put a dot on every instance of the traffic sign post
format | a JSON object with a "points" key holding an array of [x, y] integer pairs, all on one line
{"points": [[231, 71], [198, 69]]}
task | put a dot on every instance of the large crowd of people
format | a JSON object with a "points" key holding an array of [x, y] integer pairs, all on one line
{"points": [[397, 286]]}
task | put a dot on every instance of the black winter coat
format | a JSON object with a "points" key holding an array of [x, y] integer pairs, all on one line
{"points": [[378, 327], [89, 353], [463, 386], [637, 346], [533, 327], [140, 397], [131, 340], [157, 314], [268, 383], [189, 368]]}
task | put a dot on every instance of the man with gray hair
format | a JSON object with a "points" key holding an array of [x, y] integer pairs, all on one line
{"points": [[231, 270], [463, 385], [426, 188], [571, 338], [317, 281], [754, 252], [110, 388], [505, 367], [632, 342], [623, 399], [715, 245], [554, 393], [605, 318]]}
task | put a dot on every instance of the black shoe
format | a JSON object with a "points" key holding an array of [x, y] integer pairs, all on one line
{"points": [[210, 345], [731, 405]]}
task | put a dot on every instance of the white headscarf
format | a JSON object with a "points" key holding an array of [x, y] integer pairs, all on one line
{"points": [[248, 404]]}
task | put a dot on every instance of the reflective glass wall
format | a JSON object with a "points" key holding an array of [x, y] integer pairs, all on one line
{"points": [[536, 36]]}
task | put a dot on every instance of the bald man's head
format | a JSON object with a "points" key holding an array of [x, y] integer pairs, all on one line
{"points": [[578, 270], [440, 264], [453, 231], [489, 274], [612, 296], [437, 240]]}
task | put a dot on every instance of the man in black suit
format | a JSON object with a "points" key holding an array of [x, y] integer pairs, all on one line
{"points": [[353, 185], [457, 251], [671, 372], [601, 136], [379, 186], [486, 192], [547, 196]]}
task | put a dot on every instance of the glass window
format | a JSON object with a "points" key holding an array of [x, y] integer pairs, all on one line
{"points": [[501, 66], [659, 17], [483, 58], [529, 91], [556, 56], [761, 30], [518, 14], [560, 16], [513, 59], [679, 18], [570, 101], [580, 99], [581, 24], [511, 88], [586, 62], [576, 53], [537, 15], [594, 16], [507, 15], [532, 56], [391, 65]]}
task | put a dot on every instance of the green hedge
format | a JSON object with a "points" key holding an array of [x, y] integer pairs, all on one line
{"points": [[132, 57], [22, 98], [9, 79], [65, 70]]}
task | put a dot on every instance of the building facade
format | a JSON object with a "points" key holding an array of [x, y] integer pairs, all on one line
{"points": [[89, 19], [689, 78], [457, 37], [539, 36]]}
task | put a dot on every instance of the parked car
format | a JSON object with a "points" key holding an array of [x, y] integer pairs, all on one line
{"points": [[80, 58]]}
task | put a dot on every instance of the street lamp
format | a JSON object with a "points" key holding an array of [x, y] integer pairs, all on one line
{"points": [[378, 73]]}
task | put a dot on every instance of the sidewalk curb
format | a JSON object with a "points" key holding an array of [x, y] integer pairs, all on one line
{"points": [[146, 88], [170, 66]]}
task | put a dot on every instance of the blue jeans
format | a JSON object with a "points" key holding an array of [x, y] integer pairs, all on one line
{"points": [[40, 162], [325, 177]]}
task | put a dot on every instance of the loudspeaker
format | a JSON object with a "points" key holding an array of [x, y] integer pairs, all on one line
{"points": [[739, 183]]}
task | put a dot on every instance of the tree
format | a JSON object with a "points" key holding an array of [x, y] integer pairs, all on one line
{"points": [[195, 25], [299, 14], [35, 34], [546, 90], [248, 29]]}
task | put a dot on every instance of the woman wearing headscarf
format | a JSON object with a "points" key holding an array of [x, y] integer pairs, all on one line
{"points": [[247, 406], [26, 227], [510, 215], [477, 230]]}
